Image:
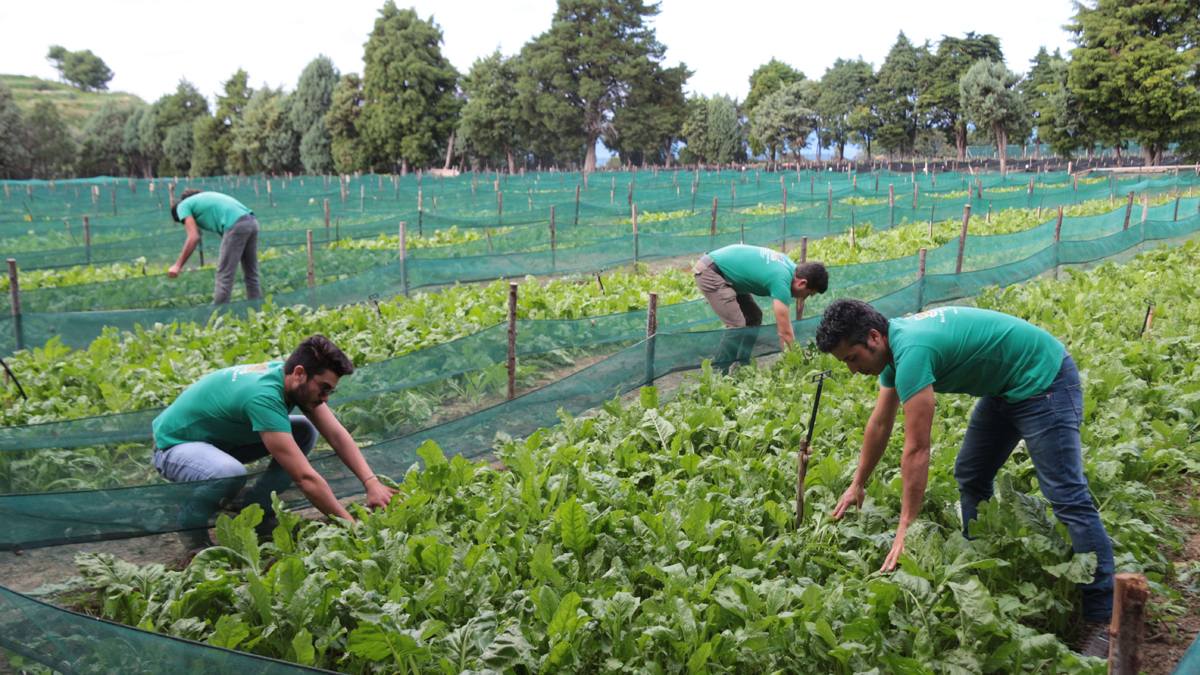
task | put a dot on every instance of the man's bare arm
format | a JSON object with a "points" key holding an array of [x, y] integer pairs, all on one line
{"points": [[283, 448], [783, 322], [189, 246], [875, 440], [347, 450], [914, 466]]}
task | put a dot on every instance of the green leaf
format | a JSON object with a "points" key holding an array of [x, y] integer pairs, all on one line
{"points": [[229, 632], [437, 558], [565, 617], [432, 454], [649, 397], [508, 649], [573, 525], [699, 658], [302, 648], [547, 604], [1080, 569], [542, 565]]}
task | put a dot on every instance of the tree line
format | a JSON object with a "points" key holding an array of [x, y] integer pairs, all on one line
{"points": [[597, 75]]}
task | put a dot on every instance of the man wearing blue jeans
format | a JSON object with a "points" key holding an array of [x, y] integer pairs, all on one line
{"points": [[237, 415], [1029, 390]]}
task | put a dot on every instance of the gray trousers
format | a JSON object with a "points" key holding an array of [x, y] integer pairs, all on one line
{"points": [[738, 311], [239, 243]]}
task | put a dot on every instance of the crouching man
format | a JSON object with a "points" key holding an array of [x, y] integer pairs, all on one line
{"points": [[237, 415]]}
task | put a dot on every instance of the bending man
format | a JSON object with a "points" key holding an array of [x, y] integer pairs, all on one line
{"points": [[730, 277], [235, 224], [1029, 390], [237, 415]]}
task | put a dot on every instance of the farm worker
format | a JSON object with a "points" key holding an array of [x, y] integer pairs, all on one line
{"points": [[1028, 389], [235, 224], [730, 277], [240, 414]]}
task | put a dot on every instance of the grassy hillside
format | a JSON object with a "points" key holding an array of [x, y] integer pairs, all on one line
{"points": [[74, 105]]}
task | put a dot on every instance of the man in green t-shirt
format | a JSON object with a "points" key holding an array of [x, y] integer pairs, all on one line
{"points": [[1028, 389], [237, 415], [235, 224], [730, 277]]}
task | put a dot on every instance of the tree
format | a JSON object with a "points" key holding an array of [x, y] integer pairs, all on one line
{"points": [[714, 131], [493, 120], [177, 148], [180, 108], [650, 122], [895, 95], [82, 69], [939, 101], [13, 156], [787, 116], [342, 120], [100, 153], [990, 99], [409, 88], [1038, 87], [1134, 71], [1061, 122], [131, 143], [48, 142], [310, 103], [580, 71], [843, 88], [264, 135], [212, 136], [764, 81]]}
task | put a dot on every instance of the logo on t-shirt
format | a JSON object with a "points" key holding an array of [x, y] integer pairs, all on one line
{"points": [[253, 368], [771, 255], [939, 313]]}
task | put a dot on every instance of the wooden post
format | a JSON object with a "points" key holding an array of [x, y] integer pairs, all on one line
{"points": [[404, 256], [171, 187], [312, 276], [576, 203], [1058, 226], [892, 203], [1128, 210], [783, 226], [962, 239], [915, 194], [713, 229], [1130, 594], [1149, 323], [633, 212], [1177, 207], [804, 249], [114, 201], [921, 262], [14, 287], [326, 220], [512, 341], [14, 291], [829, 204], [87, 238], [1145, 205], [652, 316], [362, 198]]}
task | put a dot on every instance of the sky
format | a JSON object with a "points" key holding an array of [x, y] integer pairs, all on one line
{"points": [[151, 45]]}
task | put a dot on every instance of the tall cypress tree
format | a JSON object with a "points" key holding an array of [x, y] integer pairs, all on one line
{"points": [[310, 103], [409, 91], [1134, 70], [939, 100]]}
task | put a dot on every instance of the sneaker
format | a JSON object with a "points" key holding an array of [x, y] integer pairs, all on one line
{"points": [[1092, 639]]}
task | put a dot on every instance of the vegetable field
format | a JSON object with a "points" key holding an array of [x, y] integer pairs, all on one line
{"points": [[616, 515]]}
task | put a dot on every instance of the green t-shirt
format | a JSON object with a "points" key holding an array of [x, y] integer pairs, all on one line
{"points": [[226, 408], [756, 270], [964, 350], [213, 211]]}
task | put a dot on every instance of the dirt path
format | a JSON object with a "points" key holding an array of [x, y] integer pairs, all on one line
{"points": [[1169, 638]]}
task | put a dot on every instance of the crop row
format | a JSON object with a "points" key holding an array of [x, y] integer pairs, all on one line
{"points": [[660, 537]]}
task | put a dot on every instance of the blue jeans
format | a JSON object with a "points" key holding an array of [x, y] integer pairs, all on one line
{"points": [[1049, 424], [224, 473]]}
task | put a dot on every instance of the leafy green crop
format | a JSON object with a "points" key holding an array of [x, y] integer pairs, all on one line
{"points": [[659, 537]]}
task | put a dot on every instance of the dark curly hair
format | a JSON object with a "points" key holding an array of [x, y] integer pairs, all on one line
{"points": [[175, 207], [850, 320], [318, 354], [816, 275]]}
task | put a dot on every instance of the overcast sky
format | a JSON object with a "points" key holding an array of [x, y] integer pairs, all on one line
{"points": [[151, 45]]}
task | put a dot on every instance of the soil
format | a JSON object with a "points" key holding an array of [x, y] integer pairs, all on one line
{"points": [[1168, 638]]}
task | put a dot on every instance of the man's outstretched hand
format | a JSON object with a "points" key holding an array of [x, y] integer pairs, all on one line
{"points": [[378, 494], [897, 548], [853, 497], [173, 271]]}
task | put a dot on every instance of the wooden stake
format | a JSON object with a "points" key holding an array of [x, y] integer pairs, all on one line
{"points": [[312, 277], [1128, 210], [404, 256], [962, 239], [326, 220], [114, 201], [170, 186], [1130, 594], [713, 230], [804, 249], [652, 316], [512, 341], [921, 262], [87, 238], [633, 212], [1058, 226], [14, 287]]}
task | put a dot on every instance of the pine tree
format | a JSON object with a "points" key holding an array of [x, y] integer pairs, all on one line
{"points": [[990, 99], [310, 103], [409, 91], [14, 159]]}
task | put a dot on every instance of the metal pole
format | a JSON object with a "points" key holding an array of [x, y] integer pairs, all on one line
{"points": [[512, 341]]}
